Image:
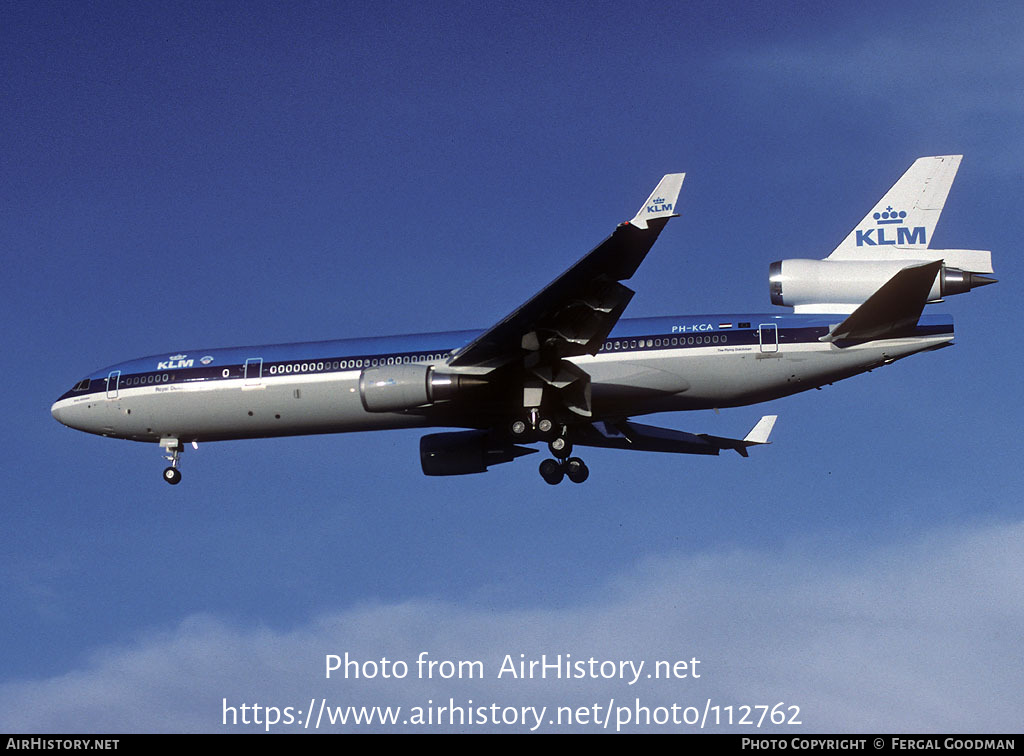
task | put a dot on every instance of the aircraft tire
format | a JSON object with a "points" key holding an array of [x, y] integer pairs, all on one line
{"points": [[552, 471], [560, 447], [172, 475], [576, 470]]}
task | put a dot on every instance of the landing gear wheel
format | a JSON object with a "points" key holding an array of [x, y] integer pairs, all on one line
{"points": [[173, 449], [518, 427], [576, 470], [544, 425], [552, 471], [560, 447]]}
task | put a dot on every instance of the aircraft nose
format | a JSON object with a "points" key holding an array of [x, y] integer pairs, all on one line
{"points": [[71, 415], [59, 413]]}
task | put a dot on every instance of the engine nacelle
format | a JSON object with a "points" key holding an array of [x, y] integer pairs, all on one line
{"points": [[465, 452], [394, 388], [838, 284]]}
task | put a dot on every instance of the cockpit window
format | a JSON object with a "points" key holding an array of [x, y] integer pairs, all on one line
{"points": [[82, 385]]}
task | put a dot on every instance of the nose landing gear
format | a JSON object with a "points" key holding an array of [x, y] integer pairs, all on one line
{"points": [[174, 449]]}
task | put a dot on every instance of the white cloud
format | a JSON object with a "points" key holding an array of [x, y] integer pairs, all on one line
{"points": [[920, 638]]}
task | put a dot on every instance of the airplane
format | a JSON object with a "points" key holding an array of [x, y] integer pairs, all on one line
{"points": [[563, 369]]}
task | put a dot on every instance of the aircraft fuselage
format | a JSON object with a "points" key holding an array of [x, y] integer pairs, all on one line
{"points": [[645, 366]]}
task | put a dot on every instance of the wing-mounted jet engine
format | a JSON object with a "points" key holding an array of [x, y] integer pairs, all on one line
{"points": [[895, 235], [396, 388], [466, 452]]}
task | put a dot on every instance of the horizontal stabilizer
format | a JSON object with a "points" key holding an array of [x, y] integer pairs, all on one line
{"points": [[893, 310], [626, 434]]}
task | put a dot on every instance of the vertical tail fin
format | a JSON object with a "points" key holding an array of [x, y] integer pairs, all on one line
{"points": [[905, 218]]}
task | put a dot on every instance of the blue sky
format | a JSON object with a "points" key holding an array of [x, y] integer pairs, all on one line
{"points": [[180, 175]]}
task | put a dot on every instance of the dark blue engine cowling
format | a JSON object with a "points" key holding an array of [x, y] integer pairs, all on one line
{"points": [[466, 452]]}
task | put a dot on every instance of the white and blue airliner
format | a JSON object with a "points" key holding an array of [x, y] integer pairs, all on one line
{"points": [[563, 370]]}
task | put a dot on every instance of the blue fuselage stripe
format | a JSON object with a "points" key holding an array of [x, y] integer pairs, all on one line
{"points": [[323, 357]]}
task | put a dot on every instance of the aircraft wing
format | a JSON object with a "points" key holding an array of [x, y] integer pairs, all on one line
{"points": [[625, 434], [574, 313]]}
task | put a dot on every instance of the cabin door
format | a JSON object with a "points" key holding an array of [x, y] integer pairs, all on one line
{"points": [[254, 371], [113, 379], [768, 334]]}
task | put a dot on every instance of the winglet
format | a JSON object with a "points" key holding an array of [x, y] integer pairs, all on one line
{"points": [[758, 435], [760, 432], [662, 202]]}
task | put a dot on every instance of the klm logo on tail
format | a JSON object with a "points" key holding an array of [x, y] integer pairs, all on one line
{"points": [[904, 235], [658, 205]]}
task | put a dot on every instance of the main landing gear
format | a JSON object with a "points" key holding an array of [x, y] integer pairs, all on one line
{"points": [[172, 474], [563, 465], [554, 470], [536, 427]]}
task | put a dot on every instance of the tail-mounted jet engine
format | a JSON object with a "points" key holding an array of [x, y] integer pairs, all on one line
{"points": [[466, 452], [823, 285], [395, 388]]}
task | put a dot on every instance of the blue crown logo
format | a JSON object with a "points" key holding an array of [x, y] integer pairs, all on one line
{"points": [[890, 216]]}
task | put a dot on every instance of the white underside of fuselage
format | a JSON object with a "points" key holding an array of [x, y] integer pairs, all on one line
{"points": [[623, 384]]}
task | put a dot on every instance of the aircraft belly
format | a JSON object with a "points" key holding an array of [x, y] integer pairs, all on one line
{"points": [[651, 375], [665, 381], [729, 377]]}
